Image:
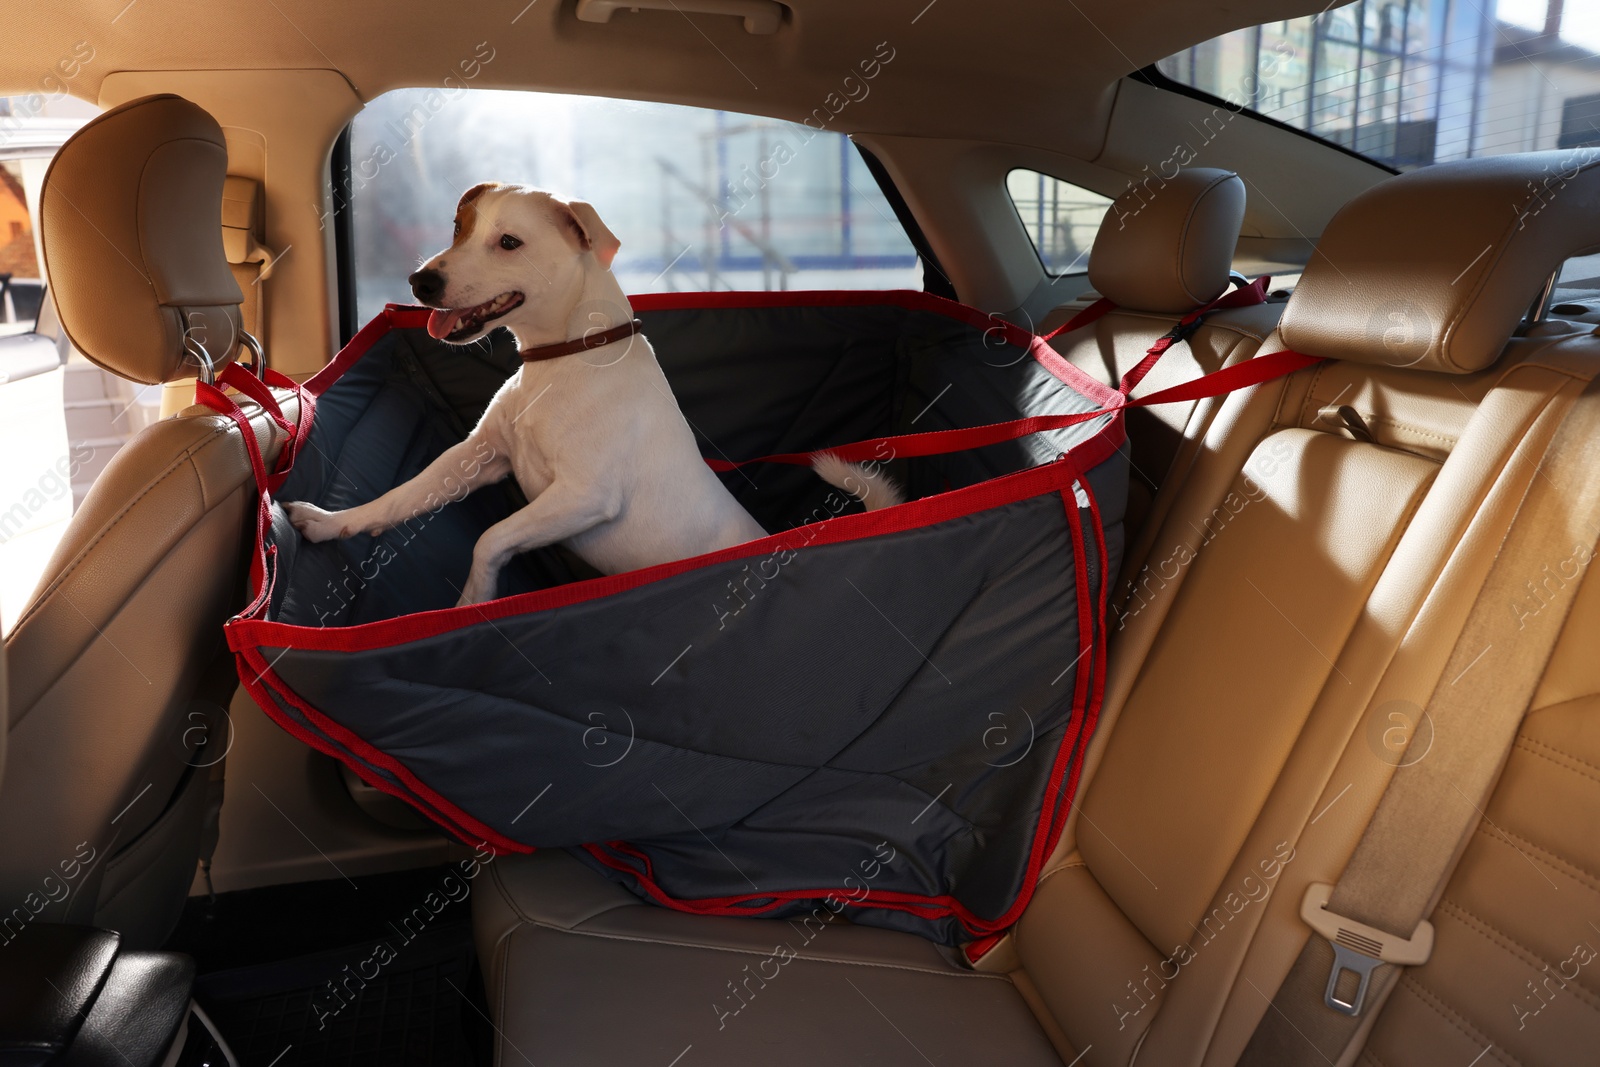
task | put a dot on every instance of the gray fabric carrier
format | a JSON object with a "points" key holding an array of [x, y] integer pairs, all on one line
{"points": [[885, 711]]}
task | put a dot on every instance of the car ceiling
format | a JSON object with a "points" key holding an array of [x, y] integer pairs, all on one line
{"points": [[1041, 74]]}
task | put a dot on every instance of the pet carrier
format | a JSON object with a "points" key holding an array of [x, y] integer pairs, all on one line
{"points": [[884, 711]]}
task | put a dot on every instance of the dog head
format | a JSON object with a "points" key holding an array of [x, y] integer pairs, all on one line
{"points": [[519, 255]]}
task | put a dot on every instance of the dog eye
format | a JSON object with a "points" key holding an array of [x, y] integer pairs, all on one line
{"points": [[510, 243]]}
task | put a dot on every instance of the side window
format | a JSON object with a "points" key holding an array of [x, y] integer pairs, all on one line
{"points": [[700, 199], [61, 417], [21, 289], [1061, 219]]}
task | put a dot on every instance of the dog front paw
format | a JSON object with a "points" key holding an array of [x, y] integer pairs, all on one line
{"points": [[315, 524], [473, 594]]}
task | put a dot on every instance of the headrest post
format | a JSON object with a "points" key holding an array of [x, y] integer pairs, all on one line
{"points": [[258, 364], [1539, 310], [195, 347]]}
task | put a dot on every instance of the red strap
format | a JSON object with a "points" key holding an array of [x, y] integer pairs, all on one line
{"points": [[302, 429], [1083, 318], [247, 383], [937, 442], [223, 404], [1247, 296], [259, 390]]}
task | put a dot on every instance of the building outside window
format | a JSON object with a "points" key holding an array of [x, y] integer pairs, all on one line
{"points": [[1413, 82]]}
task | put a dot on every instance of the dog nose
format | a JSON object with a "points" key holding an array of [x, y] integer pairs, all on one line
{"points": [[427, 285]]}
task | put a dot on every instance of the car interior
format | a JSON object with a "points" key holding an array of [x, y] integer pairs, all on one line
{"points": [[1349, 644]]}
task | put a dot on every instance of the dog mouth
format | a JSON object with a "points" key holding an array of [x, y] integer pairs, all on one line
{"points": [[456, 324]]}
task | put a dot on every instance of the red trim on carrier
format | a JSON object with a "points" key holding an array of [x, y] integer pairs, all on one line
{"points": [[249, 632]]}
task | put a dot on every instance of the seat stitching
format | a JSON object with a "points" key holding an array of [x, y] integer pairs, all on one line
{"points": [[1411, 428], [763, 952], [1525, 741], [1317, 373], [1427, 996], [1052, 872], [1313, 401], [1472, 920], [1558, 862], [505, 986]]}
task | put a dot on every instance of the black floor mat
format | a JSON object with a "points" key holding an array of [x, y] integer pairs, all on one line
{"points": [[401, 988]]}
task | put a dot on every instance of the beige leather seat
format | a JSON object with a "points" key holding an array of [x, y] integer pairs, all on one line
{"points": [[105, 795], [1308, 581], [1310, 572]]}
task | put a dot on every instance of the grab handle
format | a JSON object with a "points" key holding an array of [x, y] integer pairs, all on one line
{"points": [[760, 16]]}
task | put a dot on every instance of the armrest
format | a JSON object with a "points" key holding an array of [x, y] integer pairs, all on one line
{"points": [[69, 997], [138, 1013], [50, 976]]}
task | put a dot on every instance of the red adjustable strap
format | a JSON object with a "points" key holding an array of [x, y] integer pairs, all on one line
{"points": [[1089, 314], [245, 381], [222, 403], [302, 428], [259, 390], [1246, 296], [937, 442]]}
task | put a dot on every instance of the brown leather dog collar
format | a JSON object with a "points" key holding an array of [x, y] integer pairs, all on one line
{"points": [[582, 344]]}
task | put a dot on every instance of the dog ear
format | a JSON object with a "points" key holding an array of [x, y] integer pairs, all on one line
{"points": [[597, 238]]}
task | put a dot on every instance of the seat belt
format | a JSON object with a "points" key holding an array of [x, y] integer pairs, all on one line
{"points": [[248, 259], [1375, 920]]}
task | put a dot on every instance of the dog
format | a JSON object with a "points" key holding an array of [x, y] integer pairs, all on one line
{"points": [[588, 425]]}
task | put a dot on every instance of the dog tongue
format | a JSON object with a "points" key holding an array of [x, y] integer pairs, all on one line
{"points": [[440, 323]]}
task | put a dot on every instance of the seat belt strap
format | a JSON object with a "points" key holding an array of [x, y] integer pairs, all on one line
{"points": [[249, 260], [1375, 921]]}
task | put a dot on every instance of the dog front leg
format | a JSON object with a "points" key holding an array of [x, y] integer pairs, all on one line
{"points": [[458, 471], [554, 515]]}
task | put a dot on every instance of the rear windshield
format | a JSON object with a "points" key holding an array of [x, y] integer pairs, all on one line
{"points": [[1413, 82]]}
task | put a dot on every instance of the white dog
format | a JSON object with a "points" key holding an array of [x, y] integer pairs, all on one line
{"points": [[588, 424]]}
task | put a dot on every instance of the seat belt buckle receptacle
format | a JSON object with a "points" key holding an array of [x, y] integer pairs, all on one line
{"points": [[1359, 948]]}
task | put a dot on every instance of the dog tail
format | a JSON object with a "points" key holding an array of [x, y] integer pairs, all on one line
{"points": [[870, 486]]}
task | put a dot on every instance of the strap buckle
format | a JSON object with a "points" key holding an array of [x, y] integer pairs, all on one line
{"points": [[1359, 948], [1185, 329]]}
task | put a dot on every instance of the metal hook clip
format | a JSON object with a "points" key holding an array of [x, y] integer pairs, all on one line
{"points": [[258, 364], [208, 367]]}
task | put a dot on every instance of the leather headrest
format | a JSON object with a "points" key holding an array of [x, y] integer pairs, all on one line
{"points": [[129, 219], [1436, 268], [1167, 244]]}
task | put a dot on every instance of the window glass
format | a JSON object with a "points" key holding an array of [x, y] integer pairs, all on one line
{"points": [[1061, 219], [61, 417], [700, 199], [20, 285], [1414, 82]]}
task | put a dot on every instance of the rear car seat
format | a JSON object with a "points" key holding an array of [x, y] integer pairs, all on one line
{"points": [[105, 797], [1309, 571], [1272, 638]]}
